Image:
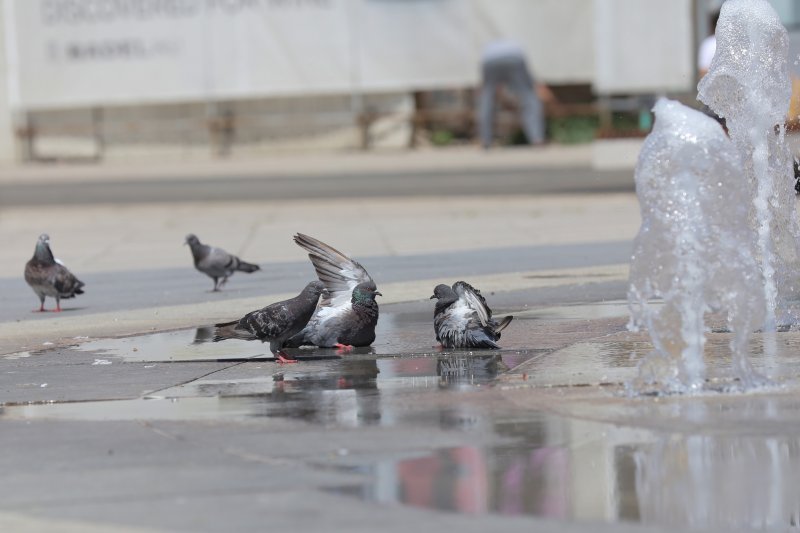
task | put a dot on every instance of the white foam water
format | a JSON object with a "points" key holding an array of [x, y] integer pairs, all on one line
{"points": [[694, 250], [748, 84]]}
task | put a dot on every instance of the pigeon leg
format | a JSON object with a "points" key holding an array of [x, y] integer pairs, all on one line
{"points": [[58, 305], [279, 356], [41, 305], [224, 281], [343, 348], [215, 289]]}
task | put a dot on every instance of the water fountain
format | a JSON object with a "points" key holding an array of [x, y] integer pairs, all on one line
{"points": [[719, 227], [748, 84], [694, 251]]}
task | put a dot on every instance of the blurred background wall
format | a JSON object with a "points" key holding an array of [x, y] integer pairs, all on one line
{"points": [[181, 78]]}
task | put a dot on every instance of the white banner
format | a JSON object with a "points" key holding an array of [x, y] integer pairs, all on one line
{"points": [[96, 52], [644, 46], [89, 52], [80, 53]]}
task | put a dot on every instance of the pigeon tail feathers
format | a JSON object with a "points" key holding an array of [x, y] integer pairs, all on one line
{"points": [[244, 266], [503, 323], [228, 330]]}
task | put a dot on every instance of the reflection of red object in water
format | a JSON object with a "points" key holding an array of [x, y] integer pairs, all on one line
{"points": [[472, 489], [535, 482], [537, 485], [417, 478], [511, 489], [555, 462], [454, 479]]}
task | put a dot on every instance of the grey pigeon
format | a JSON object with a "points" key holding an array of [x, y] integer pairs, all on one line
{"points": [[463, 320], [347, 314], [216, 263], [276, 322], [48, 277]]}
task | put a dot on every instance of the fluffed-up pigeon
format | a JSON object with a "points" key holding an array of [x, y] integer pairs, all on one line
{"points": [[215, 262], [47, 276], [347, 313], [462, 319], [274, 323]]}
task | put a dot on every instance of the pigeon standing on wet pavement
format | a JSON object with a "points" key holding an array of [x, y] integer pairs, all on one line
{"points": [[462, 319], [347, 314], [276, 322], [47, 276], [216, 263]]}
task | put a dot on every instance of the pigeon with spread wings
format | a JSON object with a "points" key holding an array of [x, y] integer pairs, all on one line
{"points": [[347, 313], [462, 319]]}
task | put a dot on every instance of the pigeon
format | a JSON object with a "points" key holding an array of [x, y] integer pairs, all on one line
{"points": [[347, 313], [215, 262], [463, 320], [48, 276], [276, 322]]}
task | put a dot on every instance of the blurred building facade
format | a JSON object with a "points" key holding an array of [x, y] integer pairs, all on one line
{"points": [[127, 78]]}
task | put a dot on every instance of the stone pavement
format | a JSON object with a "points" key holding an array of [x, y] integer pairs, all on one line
{"points": [[168, 433]]}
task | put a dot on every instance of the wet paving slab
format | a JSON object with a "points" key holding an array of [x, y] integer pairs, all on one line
{"points": [[614, 360], [545, 430], [578, 470], [404, 355]]}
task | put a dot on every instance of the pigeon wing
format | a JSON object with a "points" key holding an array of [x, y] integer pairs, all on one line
{"points": [[336, 271], [65, 281], [275, 322], [478, 338], [457, 327], [271, 322], [474, 300], [217, 263]]}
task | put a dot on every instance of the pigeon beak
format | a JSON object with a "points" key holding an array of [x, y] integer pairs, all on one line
{"points": [[377, 293], [432, 297]]}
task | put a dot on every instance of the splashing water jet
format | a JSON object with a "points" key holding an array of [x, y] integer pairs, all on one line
{"points": [[748, 84], [694, 250], [719, 222]]}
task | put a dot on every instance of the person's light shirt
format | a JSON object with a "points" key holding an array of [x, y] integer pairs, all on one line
{"points": [[502, 48], [706, 53]]}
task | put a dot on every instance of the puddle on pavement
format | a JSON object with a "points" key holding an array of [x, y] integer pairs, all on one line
{"points": [[354, 391], [577, 470], [723, 461], [615, 362], [403, 358], [397, 334], [579, 311]]}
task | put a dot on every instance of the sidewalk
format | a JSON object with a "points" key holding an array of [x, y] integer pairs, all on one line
{"points": [[310, 164]]}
